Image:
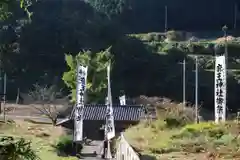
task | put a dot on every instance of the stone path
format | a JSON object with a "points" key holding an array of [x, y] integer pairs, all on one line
{"points": [[92, 151]]}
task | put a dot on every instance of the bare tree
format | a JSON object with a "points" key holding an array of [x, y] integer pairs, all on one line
{"points": [[46, 96]]}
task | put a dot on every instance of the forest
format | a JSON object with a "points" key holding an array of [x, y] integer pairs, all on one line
{"points": [[35, 41]]}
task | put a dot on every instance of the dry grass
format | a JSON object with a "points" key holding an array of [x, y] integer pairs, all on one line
{"points": [[174, 135], [206, 138], [43, 137]]}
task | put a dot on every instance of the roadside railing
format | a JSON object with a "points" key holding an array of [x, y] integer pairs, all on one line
{"points": [[125, 151]]}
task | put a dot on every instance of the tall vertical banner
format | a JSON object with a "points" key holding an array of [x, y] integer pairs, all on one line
{"points": [[220, 89], [110, 127], [80, 93], [106, 100], [122, 100]]}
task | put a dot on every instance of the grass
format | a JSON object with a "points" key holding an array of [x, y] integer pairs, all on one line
{"points": [[221, 141], [43, 137], [187, 140]]}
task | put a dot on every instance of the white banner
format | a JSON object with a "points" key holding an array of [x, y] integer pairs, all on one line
{"points": [[106, 100], [122, 100], [80, 93], [110, 127], [220, 89]]}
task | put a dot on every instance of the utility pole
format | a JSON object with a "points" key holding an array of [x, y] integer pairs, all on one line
{"points": [[196, 90], [1, 96], [4, 96], [184, 82], [225, 28], [5, 88], [225, 50], [235, 16], [166, 19]]}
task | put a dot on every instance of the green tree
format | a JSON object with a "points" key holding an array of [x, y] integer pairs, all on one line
{"points": [[97, 71], [16, 149], [5, 7], [110, 8]]}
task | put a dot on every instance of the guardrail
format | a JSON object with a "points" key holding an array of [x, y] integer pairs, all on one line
{"points": [[125, 151]]}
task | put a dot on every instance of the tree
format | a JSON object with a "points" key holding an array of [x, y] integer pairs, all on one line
{"points": [[10, 27], [46, 97], [110, 8], [4, 9], [97, 72], [16, 149], [5, 6]]}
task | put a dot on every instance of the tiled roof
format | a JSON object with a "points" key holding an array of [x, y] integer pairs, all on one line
{"points": [[124, 113]]}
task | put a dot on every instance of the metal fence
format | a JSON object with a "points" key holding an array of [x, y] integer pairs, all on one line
{"points": [[125, 151]]}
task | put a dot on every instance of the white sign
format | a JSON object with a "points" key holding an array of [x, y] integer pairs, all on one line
{"points": [[122, 100], [220, 89], [80, 93], [110, 127]]}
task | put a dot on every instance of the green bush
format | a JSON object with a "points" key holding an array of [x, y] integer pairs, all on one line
{"points": [[175, 36], [173, 122], [207, 129], [68, 158], [178, 116], [227, 139], [16, 149], [65, 146], [149, 37], [216, 133]]}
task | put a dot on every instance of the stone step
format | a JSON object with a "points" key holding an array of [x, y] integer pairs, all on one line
{"points": [[92, 151]]}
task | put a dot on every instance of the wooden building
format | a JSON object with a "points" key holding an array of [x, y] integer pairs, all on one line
{"points": [[94, 119]]}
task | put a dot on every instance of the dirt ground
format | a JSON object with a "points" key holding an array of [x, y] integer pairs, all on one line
{"points": [[42, 136], [26, 110]]}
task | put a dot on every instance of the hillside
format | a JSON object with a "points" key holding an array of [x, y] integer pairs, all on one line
{"points": [[175, 136], [189, 43], [143, 64], [202, 141]]}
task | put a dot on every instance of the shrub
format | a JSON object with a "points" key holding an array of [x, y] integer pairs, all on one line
{"points": [[210, 130], [68, 158], [149, 37], [162, 150], [225, 140], [158, 125], [178, 116], [65, 146], [200, 126], [173, 122], [175, 36], [16, 149]]}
